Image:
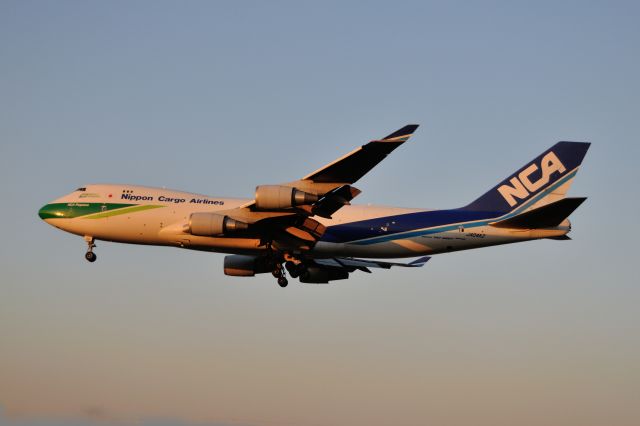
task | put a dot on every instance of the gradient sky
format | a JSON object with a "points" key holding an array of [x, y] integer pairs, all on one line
{"points": [[217, 97]]}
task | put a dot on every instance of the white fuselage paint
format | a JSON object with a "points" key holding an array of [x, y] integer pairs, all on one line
{"points": [[165, 224]]}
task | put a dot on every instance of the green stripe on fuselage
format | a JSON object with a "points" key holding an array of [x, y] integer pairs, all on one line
{"points": [[125, 210], [89, 210]]}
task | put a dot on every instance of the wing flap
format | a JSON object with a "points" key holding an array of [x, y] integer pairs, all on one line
{"points": [[334, 200]]}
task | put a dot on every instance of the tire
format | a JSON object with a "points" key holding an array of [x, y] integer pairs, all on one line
{"points": [[90, 256], [292, 268], [282, 282]]}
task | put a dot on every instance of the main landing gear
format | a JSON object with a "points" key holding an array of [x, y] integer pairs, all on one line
{"points": [[90, 255], [295, 268], [275, 260], [279, 273]]}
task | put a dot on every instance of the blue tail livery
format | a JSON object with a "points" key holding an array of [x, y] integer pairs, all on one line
{"points": [[547, 178]]}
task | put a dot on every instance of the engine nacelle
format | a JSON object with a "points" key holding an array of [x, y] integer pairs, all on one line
{"points": [[212, 224], [315, 275], [276, 197], [238, 265]]}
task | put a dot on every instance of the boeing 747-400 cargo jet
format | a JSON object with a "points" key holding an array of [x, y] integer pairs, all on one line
{"points": [[309, 228]]}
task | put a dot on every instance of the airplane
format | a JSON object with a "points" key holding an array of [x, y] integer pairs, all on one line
{"points": [[309, 229]]}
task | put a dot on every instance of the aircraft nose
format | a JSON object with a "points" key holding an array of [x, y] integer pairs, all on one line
{"points": [[50, 211]]}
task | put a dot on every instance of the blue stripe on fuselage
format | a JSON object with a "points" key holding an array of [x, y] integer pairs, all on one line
{"points": [[388, 228]]}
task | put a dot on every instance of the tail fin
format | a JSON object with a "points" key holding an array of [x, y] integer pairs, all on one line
{"points": [[544, 180]]}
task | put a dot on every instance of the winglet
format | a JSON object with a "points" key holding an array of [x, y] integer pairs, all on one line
{"points": [[401, 135], [419, 262]]}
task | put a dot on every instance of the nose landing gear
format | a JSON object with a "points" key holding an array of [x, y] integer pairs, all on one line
{"points": [[90, 255]]}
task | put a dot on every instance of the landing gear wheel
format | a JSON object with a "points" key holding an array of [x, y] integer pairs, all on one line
{"points": [[279, 271], [90, 255], [292, 268]]}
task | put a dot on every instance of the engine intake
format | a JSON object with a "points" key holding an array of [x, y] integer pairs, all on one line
{"points": [[276, 197], [212, 224]]}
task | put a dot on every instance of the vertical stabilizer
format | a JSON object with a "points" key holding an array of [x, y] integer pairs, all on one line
{"points": [[544, 180]]}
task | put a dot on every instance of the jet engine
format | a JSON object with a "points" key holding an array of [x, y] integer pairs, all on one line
{"points": [[238, 265], [315, 275], [212, 224], [275, 197]]}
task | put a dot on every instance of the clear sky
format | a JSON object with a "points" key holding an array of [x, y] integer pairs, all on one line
{"points": [[217, 97]]}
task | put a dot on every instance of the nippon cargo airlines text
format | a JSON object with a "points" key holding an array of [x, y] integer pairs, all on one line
{"points": [[162, 198]]}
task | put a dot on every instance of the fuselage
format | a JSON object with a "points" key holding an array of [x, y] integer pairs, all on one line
{"points": [[156, 216]]}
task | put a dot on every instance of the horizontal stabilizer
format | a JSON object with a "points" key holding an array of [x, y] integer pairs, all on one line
{"points": [[548, 216]]}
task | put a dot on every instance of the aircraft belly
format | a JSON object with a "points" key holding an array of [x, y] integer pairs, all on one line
{"points": [[425, 244], [390, 249], [137, 228]]}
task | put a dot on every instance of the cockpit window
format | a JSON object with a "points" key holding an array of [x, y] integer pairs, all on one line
{"points": [[81, 189]]}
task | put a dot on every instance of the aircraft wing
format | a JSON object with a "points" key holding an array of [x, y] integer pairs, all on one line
{"points": [[351, 167], [351, 264], [338, 268], [291, 224]]}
